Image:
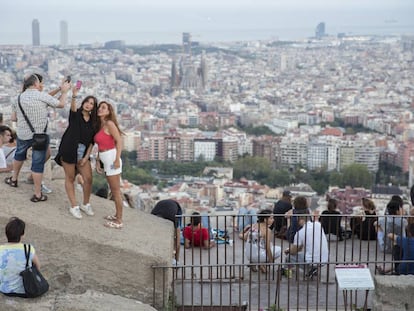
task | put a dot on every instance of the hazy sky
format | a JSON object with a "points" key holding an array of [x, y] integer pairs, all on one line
{"points": [[106, 16], [211, 3]]}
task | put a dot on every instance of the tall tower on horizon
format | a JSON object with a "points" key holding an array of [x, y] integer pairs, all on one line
{"points": [[187, 43], [63, 33], [320, 30], [35, 32]]}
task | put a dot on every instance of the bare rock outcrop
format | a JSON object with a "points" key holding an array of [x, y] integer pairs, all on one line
{"points": [[82, 259]]}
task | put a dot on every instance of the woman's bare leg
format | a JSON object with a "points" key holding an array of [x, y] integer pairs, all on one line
{"points": [[115, 186]]}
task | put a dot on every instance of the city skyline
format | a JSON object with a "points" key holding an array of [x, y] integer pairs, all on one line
{"points": [[163, 22]]}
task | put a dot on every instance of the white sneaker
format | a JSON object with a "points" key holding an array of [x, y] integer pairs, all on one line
{"points": [[75, 211], [46, 189], [87, 209]]}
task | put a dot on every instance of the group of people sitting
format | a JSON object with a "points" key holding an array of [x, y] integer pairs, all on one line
{"points": [[396, 237], [307, 245], [307, 233]]}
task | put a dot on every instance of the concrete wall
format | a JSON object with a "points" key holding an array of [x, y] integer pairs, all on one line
{"points": [[394, 293]]}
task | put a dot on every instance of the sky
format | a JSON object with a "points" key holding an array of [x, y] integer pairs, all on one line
{"points": [[109, 18]]}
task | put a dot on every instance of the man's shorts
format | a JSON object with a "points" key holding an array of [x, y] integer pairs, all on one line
{"points": [[38, 156]]}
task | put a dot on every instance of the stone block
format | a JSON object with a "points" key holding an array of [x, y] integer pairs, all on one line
{"points": [[394, 292], [81, 255]]}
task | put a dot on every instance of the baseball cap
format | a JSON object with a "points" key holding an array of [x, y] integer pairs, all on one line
{"points": [[287, 193]]}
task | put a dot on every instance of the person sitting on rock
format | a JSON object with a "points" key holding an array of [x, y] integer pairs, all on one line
{"points": [[13, 259]]}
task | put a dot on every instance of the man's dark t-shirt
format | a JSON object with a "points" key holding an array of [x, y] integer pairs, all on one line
{"points": [[168, 209], [280, 208]]}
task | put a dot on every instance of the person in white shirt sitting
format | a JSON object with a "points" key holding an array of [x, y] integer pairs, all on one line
{"points": [[309, 246]]}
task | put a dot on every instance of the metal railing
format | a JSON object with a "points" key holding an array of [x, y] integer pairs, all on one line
{"points": [[223, 278]]}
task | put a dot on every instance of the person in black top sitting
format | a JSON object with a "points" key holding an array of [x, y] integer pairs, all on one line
{"points": [[300, 206], [331, 220], [281, 207], [363, 225]]}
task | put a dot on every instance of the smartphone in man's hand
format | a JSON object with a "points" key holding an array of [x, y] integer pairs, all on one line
{"points": [[78, 84], [68, 79]]}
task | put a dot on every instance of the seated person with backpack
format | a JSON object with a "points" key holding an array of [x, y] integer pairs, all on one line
{"points": [[195, 235], [13, 259]]}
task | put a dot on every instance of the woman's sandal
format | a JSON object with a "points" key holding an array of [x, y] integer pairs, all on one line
{"points": [[11, 182], [35, 199], [114, 225], [110, 217]]}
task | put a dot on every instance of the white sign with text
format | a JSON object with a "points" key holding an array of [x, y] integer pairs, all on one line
{"points": [[354, 277]]}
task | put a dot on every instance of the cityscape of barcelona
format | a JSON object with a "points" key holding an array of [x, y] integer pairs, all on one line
{"points": [[223, 112]]}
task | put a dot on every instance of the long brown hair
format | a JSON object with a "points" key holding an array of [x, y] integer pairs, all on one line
{"points": [[94, 111], [111, 116], [368, 204]]}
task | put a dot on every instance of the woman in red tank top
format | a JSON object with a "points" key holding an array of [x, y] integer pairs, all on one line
{"points": [[108, 139]]}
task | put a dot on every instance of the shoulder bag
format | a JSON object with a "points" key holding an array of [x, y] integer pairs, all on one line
{"points": [[40, 140], [34, 283]]}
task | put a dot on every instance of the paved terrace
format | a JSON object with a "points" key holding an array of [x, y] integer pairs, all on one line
{"points": [[220, 276]]}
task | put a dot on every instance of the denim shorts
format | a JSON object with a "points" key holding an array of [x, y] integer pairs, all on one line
{"points": [[81, 151], [38, 156]]}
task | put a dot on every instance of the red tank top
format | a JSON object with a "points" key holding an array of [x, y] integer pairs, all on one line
{"points": [[104, 141]]}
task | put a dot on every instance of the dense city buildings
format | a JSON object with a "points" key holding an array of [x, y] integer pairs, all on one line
{"points": [[191, 103]]}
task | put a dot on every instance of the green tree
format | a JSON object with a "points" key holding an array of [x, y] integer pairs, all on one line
{"points": [[256, 168], [320, 180], [278, 178], [129, 157], [257, 130], [320, 186], [302, 175], [357, 175], [138, 176], [336, 179], [393, 174]]}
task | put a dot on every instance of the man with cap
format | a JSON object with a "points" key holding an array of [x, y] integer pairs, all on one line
{"points": [[281, 207]]}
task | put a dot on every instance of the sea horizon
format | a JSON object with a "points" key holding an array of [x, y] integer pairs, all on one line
{"points": [[206, 26], [204, 36]]}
